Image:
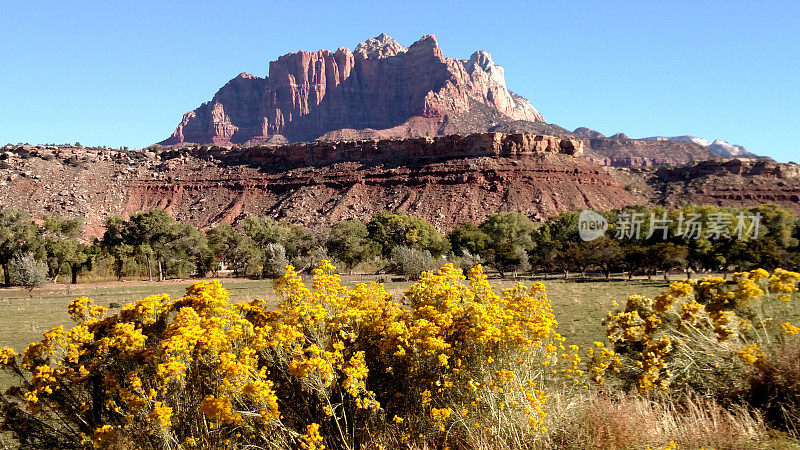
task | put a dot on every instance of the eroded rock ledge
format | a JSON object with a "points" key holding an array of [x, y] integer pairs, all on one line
{"points": [[505, 145]]}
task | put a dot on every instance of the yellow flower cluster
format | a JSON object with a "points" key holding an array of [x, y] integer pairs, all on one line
{"points": [[311, 440], [83, 309], [784, 283], [601, 358], [7, 356], [694, 328], [206, 372], [219, 408], [750, 354], [160, 414], [103, 435], [787, 327], [671, 445]]}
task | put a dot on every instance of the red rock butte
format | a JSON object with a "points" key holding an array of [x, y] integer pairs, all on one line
{"points": [[380, 89]]}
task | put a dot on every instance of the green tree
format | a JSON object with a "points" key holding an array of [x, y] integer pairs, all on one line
{"points": [[635, 258], [505, 257], [390, 230], [468, 236], [176, 248], [150, 234], [188, 251], [61, 246], [81, 258], [114, 244], [509, 228], [225, 243], [605, 253], [348, 242], [261, 232], [667, 256]]}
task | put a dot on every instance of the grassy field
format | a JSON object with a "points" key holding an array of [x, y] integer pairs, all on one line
{"points": [[579, 305]]}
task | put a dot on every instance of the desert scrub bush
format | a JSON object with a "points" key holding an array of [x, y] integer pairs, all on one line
{"points": [[467, 260], [706, 336], [274, 260], [774, 388], [410, 261], [26, 271], [453, 364]]}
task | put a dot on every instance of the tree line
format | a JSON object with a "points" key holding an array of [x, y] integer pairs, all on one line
{"points": [[637, 240]]}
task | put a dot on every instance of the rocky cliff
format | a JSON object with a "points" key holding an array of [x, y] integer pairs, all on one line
{"points": [[380, 89], [446, 180], [730, 182]]}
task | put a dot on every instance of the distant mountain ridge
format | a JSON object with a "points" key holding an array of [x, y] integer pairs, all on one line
{"points": [[621, 150], [718, 146]]}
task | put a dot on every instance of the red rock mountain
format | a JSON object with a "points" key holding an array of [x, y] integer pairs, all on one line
{"points": [[380, 89]]}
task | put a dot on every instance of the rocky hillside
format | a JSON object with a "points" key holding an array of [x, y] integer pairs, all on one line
{"points": [[380, 89], [718, 146], [621, 151], [446, 180], [731, 182]]}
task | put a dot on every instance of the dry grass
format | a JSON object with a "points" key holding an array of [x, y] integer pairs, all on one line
{"points": [[615, 422]]}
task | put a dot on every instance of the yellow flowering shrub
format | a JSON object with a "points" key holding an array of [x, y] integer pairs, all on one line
{"points": [[451, 361], [701, 336]]}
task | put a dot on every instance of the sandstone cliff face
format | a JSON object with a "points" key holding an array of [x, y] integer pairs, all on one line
{"points": [[380, 85], [402, 151], [620, 150]]}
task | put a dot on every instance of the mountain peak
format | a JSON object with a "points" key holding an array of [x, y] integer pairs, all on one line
{"points": [[587, 133], [482, 60], [381, 46], [380, 89], [427, 42]]}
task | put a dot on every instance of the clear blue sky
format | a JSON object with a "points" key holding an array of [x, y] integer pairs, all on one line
{"points": [[108, 73]]}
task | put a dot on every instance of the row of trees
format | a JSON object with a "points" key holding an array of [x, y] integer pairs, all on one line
{"points": [[645, 240], [637, 240]]}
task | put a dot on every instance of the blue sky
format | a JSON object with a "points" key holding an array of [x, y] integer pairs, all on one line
{"points": [[114, 73]]}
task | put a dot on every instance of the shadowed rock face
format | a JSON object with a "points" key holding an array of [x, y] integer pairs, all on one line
{"points": [[381, 85]]}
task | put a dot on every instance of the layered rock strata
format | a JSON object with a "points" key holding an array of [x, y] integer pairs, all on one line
{"points": [[446, 180]]}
